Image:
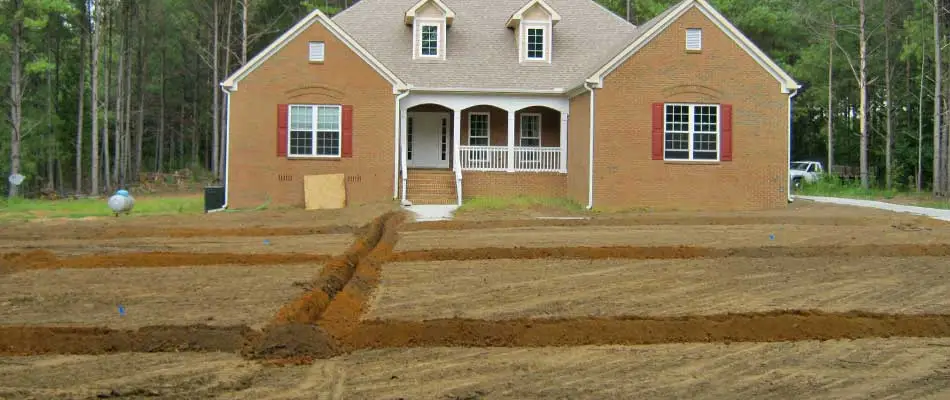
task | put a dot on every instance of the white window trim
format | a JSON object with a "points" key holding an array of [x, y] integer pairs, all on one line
{"points": [[323, 54], [487, 128], [548, 44], [544, 43], [693, 133], [439, 24], [700, 32], [313, 131], [521, 128]]}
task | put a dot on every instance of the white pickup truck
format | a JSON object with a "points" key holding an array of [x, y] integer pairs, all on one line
{"points": [[807, 171]]}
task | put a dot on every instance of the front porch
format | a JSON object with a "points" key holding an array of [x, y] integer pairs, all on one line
{"points": [[468, 133]]}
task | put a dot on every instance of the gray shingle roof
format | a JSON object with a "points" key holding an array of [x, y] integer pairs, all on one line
{"points": [[482, 52]]}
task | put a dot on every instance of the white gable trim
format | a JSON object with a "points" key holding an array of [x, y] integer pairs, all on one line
{"points": [[231, 83], [787, 83], [449, 14], [518, 15]]}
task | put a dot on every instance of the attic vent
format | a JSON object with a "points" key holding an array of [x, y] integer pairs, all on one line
{"points": [[285, 178], [316, 51], [354, 179], [694, 39]]}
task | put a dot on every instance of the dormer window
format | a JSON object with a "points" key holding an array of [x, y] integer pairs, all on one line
{"points": [[430, 20], [535, 42], [533, 25], [429, 40]]}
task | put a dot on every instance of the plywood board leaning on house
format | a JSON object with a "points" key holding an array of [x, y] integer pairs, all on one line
{"points": [[324, 191]]}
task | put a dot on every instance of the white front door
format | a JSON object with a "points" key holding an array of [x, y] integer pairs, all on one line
{"points": [[429, 140]]}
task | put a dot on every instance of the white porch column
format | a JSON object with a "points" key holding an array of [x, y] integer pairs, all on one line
{"points": [[456, 140], [511, 141], [563, 166], [403, 145]]}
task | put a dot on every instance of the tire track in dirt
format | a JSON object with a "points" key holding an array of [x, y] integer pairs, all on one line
{"points": [[35, 340], [669, 252], [43, 259], [775, 326]]}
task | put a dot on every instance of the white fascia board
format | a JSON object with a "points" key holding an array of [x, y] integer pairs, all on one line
{"points": [[515, 18], [787, 83], [492, 91], [411, 13], [231, 83]]}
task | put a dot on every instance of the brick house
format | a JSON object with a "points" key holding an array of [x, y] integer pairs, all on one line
{"points": [[437, 101]]}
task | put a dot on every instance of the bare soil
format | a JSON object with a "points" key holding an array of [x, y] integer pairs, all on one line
{"points": [[504, 289], [720, 236], [310, 244], [838, 369], [713, 290], [269, 223], [219, 296]]}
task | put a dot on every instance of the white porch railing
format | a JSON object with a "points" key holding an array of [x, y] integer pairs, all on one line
{"points": [[495, 158]]}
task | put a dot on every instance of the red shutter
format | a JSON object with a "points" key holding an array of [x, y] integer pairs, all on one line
{"points": [[347, 139], [725, 151], [658, 131], [281, 130]]}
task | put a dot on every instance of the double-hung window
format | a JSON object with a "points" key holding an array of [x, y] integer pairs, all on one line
{"points": [[478, 129], [429, 40], [478, 134], [315, 130], [691, 132], [530, 130], [535, 42]]}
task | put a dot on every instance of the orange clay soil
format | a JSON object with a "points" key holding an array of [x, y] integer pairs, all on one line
{"points": [[748, 327], [295, 333], [297, 343], [668, 252], [42, 259], [33, 340]]}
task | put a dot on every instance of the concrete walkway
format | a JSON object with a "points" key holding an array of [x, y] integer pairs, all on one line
{"points": [[432, 212], [943, 215]]}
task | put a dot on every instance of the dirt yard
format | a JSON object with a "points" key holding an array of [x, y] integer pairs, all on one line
{"points": [[859, 369], [507, 289], [814, 301], [215, 295]]}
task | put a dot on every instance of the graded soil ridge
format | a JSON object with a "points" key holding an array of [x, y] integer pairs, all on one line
{"points": [[670, 252], [43, 259], [775, 326]]}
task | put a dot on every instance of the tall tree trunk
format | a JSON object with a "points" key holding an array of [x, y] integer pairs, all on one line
{"points": [[216, 105], [50, 147], [220, 93], [863, 87], [920, 123], [143, 68], [83, 26], [831, 112], [94, 93], [127, 121], [938, 77], [160, 140], [16, 95], [244, 15], [889, 126]]}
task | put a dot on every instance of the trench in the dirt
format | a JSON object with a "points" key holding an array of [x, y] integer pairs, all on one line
{"points": [[670, 252], [34, 340]]}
